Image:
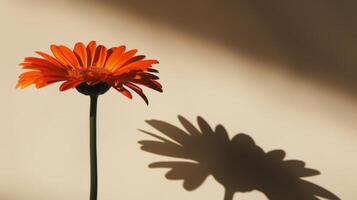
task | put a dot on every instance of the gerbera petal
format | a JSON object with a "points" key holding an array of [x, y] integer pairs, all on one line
{"points": [[100, 56], [56, 50], [148, 76], [30, 74], [139, 65], [149, 83], [114, 58], [69, 84], [110, 51], [50, 59], [45, 74], [36, 60], [139, 91], [124, 58], [134, 59], [40, 64], [81, 52], [91, 52], [69, 55], [28, 78], [153, 70], [24, 83], [42, 82], [124, 91]]}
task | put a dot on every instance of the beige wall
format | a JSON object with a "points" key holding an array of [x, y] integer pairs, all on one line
{"points": [[44, 133]]}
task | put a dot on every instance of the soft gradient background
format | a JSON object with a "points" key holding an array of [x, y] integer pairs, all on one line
{"points": [[283, 72]]}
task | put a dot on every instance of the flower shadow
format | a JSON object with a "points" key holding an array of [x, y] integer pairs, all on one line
{"points": [[238, 164]]}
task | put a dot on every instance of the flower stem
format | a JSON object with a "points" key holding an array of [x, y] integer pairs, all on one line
{"points": [[228, 195], [93, 147]]}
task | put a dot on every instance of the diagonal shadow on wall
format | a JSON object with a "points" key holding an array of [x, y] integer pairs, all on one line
{"points": [[238, 164], [315, 40]]}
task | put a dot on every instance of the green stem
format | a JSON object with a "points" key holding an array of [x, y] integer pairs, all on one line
{"points": [[93, 147], [228, 195]]}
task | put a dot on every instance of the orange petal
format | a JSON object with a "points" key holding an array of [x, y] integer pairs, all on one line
{"points": [[37, 60], [138, 90], [43, 69], [69, 84], [42, 82], [28, 78], [81, 52], [114, 58], [56, 50], [24, 83], [91, 52], [124, 91], [149, 76], [153, 70], [124, 58], [134, 59], [50, 59], [139, 65], [149, 83], [69, 55], [41, 64], [100, 56], [30, 74]]}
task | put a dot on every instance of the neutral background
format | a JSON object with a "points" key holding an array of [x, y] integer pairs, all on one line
{"points": [[284, 73]]}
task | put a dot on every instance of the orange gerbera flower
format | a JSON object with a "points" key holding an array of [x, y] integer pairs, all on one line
{"points": [[89, 66]]}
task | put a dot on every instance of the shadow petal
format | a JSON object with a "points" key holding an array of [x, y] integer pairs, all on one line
{"points": [[239, 164], [191, 173]]}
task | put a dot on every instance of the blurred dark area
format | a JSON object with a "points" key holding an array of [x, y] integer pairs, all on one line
{"points": [[313, 39]]}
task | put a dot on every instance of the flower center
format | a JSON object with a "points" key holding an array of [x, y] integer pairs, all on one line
{"points": [[96, 89]]}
